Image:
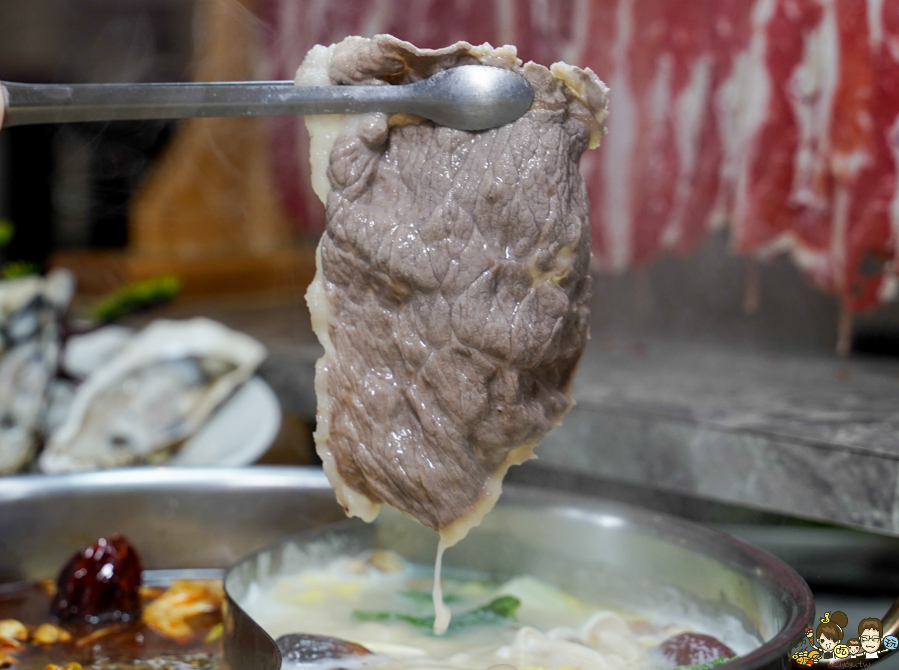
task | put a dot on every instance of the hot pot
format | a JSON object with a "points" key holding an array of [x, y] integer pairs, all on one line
{"points": [[244, 519]]}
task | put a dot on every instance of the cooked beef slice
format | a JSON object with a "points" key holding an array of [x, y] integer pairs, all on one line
{"points": [[454, 268]]}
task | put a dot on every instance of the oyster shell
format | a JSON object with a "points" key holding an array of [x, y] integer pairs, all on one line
{"points": [[25, 371], [30, 304], [156, 392], [30, 310], [87, 352]]}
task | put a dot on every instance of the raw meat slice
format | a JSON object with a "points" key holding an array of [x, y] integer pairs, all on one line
{"points": [[872, 208], [655, 185], [452, 288], [779, 178], [667, 74], [609, 30], [729, 26]]}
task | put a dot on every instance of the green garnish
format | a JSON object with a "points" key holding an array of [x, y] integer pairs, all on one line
{"points": [[497, 610], [425, 597], [16, 269], [7, 232], [135, 296], [721, 660]]}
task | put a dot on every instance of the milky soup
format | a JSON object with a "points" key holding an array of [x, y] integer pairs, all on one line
{"points": [[374, 610]]}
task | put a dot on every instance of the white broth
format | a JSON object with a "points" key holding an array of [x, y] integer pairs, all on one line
{"points": [[383, 603]]}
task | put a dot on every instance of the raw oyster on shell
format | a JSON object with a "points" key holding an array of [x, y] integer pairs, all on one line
{"points": [[30, 312], [156, 392], [25, 371], [30, 304]]}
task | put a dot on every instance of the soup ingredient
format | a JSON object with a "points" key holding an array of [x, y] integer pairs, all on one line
{"points": [[526, 622], [29, 640], [157, 391], [422, 597], [48, 633], [694, 649], [12, 631], [711, 664], [388, 614], [8, 657], [100, 583], [533, 648], [170, 613], [497, 610], [452, 288], [301, 648]]}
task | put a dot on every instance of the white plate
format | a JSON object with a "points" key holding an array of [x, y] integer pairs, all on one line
{"points": [[240, 431]]}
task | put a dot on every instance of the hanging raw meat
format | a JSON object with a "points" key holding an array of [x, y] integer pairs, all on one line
{"points": [[869, 215], [774, 117]]}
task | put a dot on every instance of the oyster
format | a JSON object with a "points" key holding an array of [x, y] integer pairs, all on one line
{"points": [[30, 311], [29, 305], [157, 391], [87, 352], [25, 371], [83, 353]]}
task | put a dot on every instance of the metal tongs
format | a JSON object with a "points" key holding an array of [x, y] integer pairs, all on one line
{"points": [[468, 97]]}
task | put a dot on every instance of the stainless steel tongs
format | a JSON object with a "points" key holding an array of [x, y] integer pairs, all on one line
{"points": [[469, 97]]}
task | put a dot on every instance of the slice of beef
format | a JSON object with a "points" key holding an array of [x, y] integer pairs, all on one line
{"points": [[452, 294]]}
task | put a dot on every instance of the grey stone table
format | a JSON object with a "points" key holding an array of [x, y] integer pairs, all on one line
{"points": [[810, 436]]}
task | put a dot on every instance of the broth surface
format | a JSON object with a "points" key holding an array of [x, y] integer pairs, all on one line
{"points": [[384, 603], [112, 646]]}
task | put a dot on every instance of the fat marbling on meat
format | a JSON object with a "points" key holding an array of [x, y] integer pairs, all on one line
{"points": [[452, 292]]}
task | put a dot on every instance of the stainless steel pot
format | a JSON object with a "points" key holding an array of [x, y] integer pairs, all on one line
{"points": [[210, 518]]}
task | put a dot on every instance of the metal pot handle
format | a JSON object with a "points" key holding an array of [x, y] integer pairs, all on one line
{"points": [[891, 620]]}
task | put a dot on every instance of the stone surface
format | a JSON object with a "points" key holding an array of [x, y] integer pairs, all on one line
{"points": [[815, 437]]}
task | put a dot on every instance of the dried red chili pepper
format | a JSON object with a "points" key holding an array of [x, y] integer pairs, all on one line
{"points": [[100, 583]]}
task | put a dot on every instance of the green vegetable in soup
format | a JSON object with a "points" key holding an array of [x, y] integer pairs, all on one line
{"points": [[721, 660], [496, 611], [425, 597]]}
